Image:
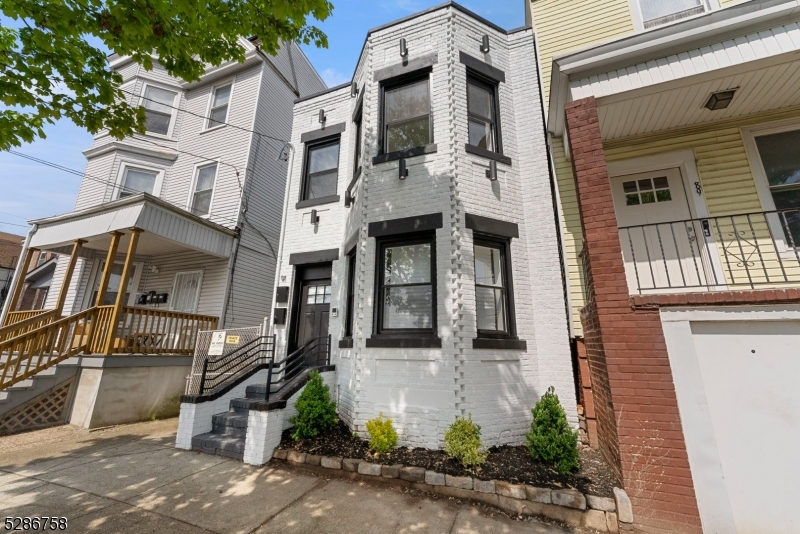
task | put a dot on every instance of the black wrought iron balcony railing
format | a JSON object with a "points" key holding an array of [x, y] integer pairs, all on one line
{"points": [[742, 251]]}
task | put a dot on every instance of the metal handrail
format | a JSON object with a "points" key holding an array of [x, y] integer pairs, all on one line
{"points": [[228, 368], [753, 249], [294, 363]]}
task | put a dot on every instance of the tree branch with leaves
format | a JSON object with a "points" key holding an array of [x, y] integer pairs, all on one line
{"points": [[53, 63]]}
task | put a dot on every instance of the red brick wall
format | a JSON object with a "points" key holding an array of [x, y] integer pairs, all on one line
{"points": [[627, 354], [586, 393], [10, 249]]}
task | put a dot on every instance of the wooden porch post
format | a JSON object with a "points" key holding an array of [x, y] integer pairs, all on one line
{"points": [[19, 281], [73, 260], [127, 270], [112, 253]]}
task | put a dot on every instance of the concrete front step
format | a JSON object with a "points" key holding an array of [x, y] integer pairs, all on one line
{"points": [[219, 444], [259, 391]]}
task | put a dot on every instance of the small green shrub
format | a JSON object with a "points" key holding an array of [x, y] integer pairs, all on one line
{"points": [[551, 440], [462, 442], [316, 412], [382, 435]]}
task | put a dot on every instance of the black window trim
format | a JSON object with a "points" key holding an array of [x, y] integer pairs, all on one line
{"points": [[304, 202], [358, 120], [350, 299], [492, 85], [395, 83], [504, 243], [414, 337]]}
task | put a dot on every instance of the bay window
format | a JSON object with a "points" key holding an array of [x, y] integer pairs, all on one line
{"points": [[158, 109]]}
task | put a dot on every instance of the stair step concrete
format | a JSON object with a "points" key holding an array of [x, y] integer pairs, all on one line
{"points": [[211, 443], [259, 391], [230, 420], [242, 406]]}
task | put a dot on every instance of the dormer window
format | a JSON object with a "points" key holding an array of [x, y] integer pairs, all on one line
{"points": [[218, 112], [159, 108]]}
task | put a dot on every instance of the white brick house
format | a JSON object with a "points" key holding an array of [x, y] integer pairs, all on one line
{"points": [[443, 346]]}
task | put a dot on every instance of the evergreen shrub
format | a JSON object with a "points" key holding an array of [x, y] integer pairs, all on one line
{"points": [[316, 412], [462, 442], [382, 435], [551, 440]]}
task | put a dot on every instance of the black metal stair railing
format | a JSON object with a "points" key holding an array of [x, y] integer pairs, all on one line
{"points": [[738, 251], [218, 373], [314, 353]]}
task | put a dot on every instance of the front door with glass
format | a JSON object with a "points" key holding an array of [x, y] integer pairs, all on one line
{"points": [[313, 317]]}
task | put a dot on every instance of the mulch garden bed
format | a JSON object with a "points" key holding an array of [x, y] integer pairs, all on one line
{"points": [[508, 463]]}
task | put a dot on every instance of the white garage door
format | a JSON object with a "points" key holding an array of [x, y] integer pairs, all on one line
{"points": [[750, 373]]}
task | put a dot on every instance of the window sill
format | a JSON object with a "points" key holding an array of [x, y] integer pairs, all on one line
{"points": [[499, 343], [410, 153], [215, 128], [346, 343], [317, 201], [159, 136], [416, 342], [488, 154]]}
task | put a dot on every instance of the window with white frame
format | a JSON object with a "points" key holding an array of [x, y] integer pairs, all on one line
{"points": [[220, 99], [136, 180], [780, 157], [158, 107], [186, 291], [658, 12], [203, 189]]}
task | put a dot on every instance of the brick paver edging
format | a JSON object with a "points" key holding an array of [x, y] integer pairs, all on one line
{"points": [[566, 505]]}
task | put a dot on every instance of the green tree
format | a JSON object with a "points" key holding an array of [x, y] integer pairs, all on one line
{"points": [[52, 64]]}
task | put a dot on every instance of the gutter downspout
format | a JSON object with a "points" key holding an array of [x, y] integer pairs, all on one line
{"points": [[271, 326], [19, 270]]}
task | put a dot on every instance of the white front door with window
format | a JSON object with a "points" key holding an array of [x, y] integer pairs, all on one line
{"points": [[661, 246], [186, 291]]}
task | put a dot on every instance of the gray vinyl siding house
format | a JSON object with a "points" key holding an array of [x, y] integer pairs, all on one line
{"points": [[246, 199]]}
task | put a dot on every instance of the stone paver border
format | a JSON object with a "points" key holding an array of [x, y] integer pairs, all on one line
{"points": [[568, 506]]}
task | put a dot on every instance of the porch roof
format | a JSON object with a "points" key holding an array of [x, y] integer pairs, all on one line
{"points": [[167, 228], [661, 79]]}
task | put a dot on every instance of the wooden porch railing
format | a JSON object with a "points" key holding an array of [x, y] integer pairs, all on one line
{"points": [[25, 355], [139, 331], [20, 322], [151, 331]]}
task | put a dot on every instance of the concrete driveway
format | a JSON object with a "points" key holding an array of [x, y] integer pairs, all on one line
{"points": [[131, 479]]}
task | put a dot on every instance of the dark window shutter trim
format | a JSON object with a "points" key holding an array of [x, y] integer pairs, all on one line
{"points": [[406, 225], [486, 225], [415, 342], [482, 152], [410, 153], [502, 344], [316, 201], [346, 343], [328, 131], [317, 256], [481, 67], [399, 69]]}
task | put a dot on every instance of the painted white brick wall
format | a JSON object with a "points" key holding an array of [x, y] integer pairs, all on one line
{"points": [[264, 429], [423, 390], [195, 419]]}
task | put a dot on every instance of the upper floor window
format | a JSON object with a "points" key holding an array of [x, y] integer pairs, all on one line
{"points": [[158, 108], [780, 157], [482, 112], [321, 170], [135, 180], [203, 189], [351, 293], [218, 112], [406, 115], [657, 12], [358, 121]]}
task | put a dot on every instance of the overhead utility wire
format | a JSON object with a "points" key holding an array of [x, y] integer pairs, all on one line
{"points": [[98, 180]]}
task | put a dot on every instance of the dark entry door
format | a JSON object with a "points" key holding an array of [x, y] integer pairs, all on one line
{"points": [[315, 305]]}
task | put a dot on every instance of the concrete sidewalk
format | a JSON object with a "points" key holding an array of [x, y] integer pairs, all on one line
{"points": [[131, 479]]}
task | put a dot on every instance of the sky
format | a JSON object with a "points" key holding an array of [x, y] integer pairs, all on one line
{"points": [[29, 190]]}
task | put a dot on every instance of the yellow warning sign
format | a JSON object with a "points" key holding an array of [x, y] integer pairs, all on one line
{"points": [[232, 340]]}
